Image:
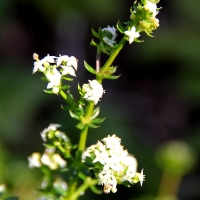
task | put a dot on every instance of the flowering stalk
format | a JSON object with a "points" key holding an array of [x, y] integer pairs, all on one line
{"points": [[106, 161]]}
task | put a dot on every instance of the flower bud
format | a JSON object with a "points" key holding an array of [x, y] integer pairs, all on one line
{"points": [[132, 17], [145, 25]]}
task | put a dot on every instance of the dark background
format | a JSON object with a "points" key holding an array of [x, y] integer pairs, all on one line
{"points": [[156, 99]]}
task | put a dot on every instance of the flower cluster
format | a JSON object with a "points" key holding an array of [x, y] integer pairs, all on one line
{"points": [[112, 164], [55, 69], [93, 91], [143, 19], [49, 158], [109, 35]]}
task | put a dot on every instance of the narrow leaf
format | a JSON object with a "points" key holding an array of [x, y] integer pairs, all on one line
{"points": [[90, 125], [97, 120], [95, 33], [89, 68], [93, 43], [48, 91], [112, 77], [95, 190], [120, 27], [73, 115], [80, 126], [65, 87], [67, 78], [95, 113]]}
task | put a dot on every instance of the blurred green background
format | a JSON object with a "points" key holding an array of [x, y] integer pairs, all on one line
{"points": [[156, 100]]}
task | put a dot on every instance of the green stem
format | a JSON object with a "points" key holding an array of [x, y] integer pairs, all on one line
{"points": [[73, 193], [83, 136], [113, 56], [88, 182], [169, 185], [81, 148]]}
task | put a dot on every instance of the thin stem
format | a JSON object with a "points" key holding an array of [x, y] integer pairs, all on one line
{"points": [[169, 185], [98, 65], [88, 182], [83, 136], [81, 148], [113, 56]]}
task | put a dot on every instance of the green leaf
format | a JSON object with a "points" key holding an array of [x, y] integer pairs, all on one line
{"points": [[95, 33], [93, 43], [44, 78], [95, 190], [79, 111], [80, 126], [90, 125], [120, 27], [113, 69], [67, 78], [95, 113], [48, 91], [89, 68], [112, 77], [73, 115], [66, 107], [65, 87], [97, 120], [70, 98], [126, 183]]}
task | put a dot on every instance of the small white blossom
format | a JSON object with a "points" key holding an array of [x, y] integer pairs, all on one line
{"points": [[62, 135], [116, 165], [51, 127], [132, 34], [34, 160], [54, 76], [69, 64], [151, 7], [72, 62], [38, 65], [94, 91], [59, 183], [52, 160], [110, 41]]}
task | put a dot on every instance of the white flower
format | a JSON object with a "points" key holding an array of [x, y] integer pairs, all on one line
{"points": [[110, 41], [68, 70], [51, 127], [73, 62], [62, 135], [69, 64], [106, 178], [116, 165], [94, 91], [52, 160], [61, 59], [54, 76], [34, 160], [131, 163], [59, 183], [151, 7], [39, 64], [132, 34]]}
